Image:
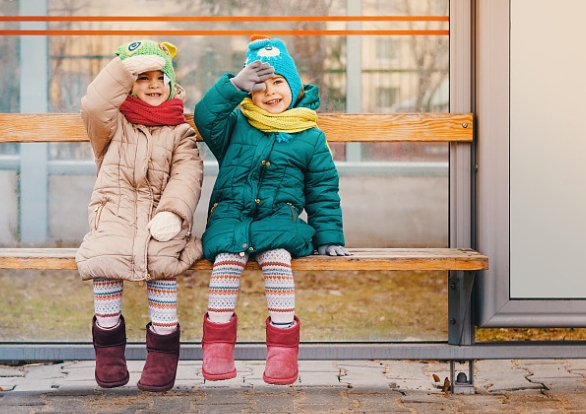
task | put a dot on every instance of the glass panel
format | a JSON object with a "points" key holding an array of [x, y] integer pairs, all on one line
{"points": [[394, 194]]}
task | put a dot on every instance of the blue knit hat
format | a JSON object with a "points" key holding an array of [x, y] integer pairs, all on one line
{"points": [[275, 53]]}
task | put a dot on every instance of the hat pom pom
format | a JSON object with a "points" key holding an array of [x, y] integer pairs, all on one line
{"points": [[258, 42], [257, 37]]}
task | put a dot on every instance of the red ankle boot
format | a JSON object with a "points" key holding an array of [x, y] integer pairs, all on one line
{"points": [[110, 344], [160, 368], [218, 344], [283, 348]]}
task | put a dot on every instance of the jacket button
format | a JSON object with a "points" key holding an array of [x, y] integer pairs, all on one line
{"points": [[268, 163], [241, 254], [263, 162], [251, 248], [257, 200], [244, 245]]}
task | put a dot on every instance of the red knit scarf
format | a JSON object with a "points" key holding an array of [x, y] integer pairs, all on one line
{"points": [[139, 112]]}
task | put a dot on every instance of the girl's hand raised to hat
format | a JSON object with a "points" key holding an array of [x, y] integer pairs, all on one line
{"points": [[251, 78], [143, 63]]}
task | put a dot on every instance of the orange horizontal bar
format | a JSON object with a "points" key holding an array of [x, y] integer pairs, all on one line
{"points": [[224, 18], [223, 32]]}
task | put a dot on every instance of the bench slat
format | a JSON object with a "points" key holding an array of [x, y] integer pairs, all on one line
{"points": [[363, 259], [412, 127]]}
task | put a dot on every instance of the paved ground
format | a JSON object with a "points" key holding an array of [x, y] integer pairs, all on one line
{"points": [[518, 386]]}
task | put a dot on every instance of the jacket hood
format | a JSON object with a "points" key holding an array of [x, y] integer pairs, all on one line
{"points": [[180, 92], [310, 98]]}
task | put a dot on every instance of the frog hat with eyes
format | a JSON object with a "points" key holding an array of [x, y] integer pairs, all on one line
{"points": [[165, 50]]}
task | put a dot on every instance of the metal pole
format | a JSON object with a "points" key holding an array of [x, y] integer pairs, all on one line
{"points": [[34, 98]]}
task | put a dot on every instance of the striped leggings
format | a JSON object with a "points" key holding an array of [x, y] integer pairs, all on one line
{"points": [[278, 281], [162, 299]]}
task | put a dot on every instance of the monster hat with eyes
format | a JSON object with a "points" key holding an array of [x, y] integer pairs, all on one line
{"points": [[274, 52]]}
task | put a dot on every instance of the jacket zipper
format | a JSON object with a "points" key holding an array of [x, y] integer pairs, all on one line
{"points": [[99, 214], [212, 211]]}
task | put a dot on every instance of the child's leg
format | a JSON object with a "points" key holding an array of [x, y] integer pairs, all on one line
{"points": [[162, 337], [282, 326], [279, 286], [108, 301], [220, 322], [109, 334], [224, 285], [162, 298]]}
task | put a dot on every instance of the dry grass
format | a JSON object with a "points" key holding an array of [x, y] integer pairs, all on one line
{"points": [[39, 306]]}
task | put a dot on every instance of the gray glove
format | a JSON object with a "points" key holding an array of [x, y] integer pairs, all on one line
{"points": [[333, 250], [251, 78], [165, 225]]}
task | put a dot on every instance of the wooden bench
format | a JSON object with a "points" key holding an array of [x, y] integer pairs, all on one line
{"points": [[461, 263]]}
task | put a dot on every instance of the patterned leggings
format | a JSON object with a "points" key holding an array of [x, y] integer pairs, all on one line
{"points": [[162, 298], [278, 280]]}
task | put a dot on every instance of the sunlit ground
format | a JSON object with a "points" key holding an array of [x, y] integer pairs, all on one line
{"points": [[349, 306], [39, 306]]}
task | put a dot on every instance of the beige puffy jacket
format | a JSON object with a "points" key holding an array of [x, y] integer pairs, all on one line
{"points": [[142, 170]]}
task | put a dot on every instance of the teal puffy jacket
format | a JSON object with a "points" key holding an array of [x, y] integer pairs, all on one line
{"points": [[263, 185]]}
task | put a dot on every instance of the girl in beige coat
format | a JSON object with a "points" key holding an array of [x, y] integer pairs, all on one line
{"points": [[141, 210]]}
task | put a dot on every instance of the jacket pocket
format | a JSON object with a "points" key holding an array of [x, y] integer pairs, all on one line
{"points": [[294, 213], [99, 210]]}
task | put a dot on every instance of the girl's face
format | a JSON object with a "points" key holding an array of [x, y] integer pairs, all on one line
{"points": [[150, 87], [276, 98]]}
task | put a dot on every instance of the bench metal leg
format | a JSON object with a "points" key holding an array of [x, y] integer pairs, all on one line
{"points": [[462, 383], [461, 327]]}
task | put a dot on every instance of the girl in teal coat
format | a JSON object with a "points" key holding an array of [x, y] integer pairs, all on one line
{"points": [[274, 163]]}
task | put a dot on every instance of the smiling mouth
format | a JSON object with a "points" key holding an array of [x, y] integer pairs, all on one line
{"points": [[273, 102], [154, 95]]}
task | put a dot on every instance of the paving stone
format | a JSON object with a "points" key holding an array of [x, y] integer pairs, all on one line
{"points": [[320, 373], [7, 386], [554, 369], [18, 410], [11, 372], [380, 403], [483, 403], [170, 403], [121, 401], [406, 375], [25, 399]]}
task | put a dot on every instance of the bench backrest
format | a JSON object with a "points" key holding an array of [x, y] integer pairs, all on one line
{"points": [[408, 127]]}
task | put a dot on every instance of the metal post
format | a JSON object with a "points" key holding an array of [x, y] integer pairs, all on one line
{"points": [[354, 75], [461, 326], [34, 98]]}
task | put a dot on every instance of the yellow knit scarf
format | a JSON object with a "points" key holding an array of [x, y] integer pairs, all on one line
{"points": [[289, 121]]}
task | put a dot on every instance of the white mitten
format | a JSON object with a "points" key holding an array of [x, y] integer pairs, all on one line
{"points": [[143, 63], [165, 225]]}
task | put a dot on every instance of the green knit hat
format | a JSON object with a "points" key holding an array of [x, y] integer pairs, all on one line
{"points": [[165, 50]]}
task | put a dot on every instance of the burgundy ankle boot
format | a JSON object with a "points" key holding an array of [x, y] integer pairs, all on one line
{"points": [[110, 344], [283, 348], [160, 368], [218, 344]]}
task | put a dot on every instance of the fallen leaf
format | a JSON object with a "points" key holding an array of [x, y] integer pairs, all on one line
{"points": [[446, 387], [436, 378]]}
